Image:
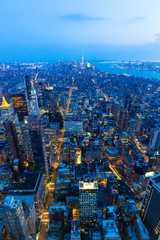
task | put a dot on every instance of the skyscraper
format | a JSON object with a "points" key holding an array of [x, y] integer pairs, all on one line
{"points": [[82, 59], [34, 102], [122, 119], [40, 95], [28, 87], [14, 218], [6, 110], [13, 139], [132, 128], [20, 105], [37, 142], [150, 212], [27, 143], [88, 200]]}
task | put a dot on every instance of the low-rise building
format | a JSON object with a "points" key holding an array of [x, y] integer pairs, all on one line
{"points": [[110, 230]]}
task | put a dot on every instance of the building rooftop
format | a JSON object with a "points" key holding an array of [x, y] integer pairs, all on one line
{"points": [[88, 185], [76, 234], [57, 208], [10, 201], [29, 183], [128, 157], [110, 229], [4, 182], [4, 103], [156, 180], [112, 150], [28, 200]]}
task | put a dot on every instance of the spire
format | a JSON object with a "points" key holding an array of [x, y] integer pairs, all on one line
{"points": [[4, 103], [82, 59], [33, 91]]}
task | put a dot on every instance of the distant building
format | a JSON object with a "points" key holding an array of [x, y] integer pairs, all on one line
{"points": [[74, 126], [27, 142], [20, 105], [7, 111], [40, 95], [132, 128], [28, 87], [34, 108], [139, 122]]}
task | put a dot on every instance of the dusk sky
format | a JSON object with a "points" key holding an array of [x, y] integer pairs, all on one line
{"points": [[38, 30]]}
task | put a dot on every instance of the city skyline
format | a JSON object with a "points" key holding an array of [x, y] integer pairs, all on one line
{"points": [[79, 120], [79, 152]]}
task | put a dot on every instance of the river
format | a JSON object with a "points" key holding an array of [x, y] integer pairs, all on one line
{"points": [[114, 69]]}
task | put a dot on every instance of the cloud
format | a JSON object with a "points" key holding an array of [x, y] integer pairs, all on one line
{"points": [[157, 37], [81, 18], [137, 19]]}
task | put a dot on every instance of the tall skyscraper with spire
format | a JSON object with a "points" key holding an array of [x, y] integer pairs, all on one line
{"points": [[6, 109], [28, 87], [7, 112], [34, 102], [82, 60]]}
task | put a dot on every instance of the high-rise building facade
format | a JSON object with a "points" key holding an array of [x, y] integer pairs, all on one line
{"points": [[40, 95], [150, 212], [6, 111], [27, 143], [88, 200], [34, 102], [28, 87], [20, 105], [13, 139], [14, 218], [132, 128], [38, 143]]}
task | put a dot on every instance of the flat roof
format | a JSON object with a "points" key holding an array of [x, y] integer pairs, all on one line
{"points": [[110, 228], [112, 150], [128, 157], [30, 183]]}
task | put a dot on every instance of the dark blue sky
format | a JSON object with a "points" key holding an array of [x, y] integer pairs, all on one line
{"points": [[49, 30]]}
